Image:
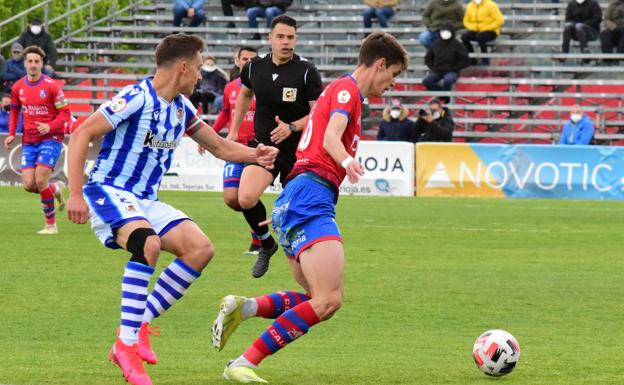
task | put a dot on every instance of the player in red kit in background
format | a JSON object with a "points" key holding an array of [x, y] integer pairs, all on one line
{"points": [[304, 212], [232, 170], [46, 115]]}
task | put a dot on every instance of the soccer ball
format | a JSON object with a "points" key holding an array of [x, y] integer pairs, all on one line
{"points": [[496, 352]]}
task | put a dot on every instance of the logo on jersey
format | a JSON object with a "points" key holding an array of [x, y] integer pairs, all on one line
{"points": [[152, 142], [135, 91], [289, 94], [179, 113], [156, 113], [274, 76], [42, 94], [100, 201], [118, 105], [21, 91], [344, 96]]}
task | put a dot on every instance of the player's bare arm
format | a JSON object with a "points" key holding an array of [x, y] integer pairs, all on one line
{"points": [[231, 151], [284, 129], [93, 128], [334, 147], [243, 102]]}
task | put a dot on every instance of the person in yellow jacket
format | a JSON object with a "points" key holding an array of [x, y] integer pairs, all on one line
{"points": [[382, 10], [483, 21]]}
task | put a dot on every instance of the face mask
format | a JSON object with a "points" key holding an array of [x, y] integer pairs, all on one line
{"points": [[477, 2], [435, 115], [209, 68], [445, 35], [7, 108], [395, 114], [35, 29], [575, 117], [580, 1]]}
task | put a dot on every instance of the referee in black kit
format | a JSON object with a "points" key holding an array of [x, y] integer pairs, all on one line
{"points": [[286, 87]]}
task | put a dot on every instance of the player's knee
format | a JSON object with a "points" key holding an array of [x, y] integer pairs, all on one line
{"points": [[30, 186], [232, 202], [144, 244], [200, 255], [247, 201], [329, 305], [41, 183]]}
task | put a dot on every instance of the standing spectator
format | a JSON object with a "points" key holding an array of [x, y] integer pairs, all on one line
{"points": [[435, 124], [37, 35], [5, 114], [13, 69], [226, 6], [445, 58], [582, 23], [267, 9], [438, 13], [395, 125], [483, 21], [613, 34], [579, 129], [209, 89], [193, 9], [382, 10]]}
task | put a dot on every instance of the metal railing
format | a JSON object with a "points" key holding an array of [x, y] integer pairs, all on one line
{"points": [[45, 4]]}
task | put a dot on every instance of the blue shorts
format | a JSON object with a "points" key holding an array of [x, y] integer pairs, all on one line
{"points": [[304, 214], [232, 172], [44, 154]]}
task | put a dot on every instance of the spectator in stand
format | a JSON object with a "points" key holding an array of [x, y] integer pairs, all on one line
{"points": [[613, 34], [483, 21], [579, 129], [382, 10], [438, 13], [2, 61], [267, 9], [5, 114], [445, 58], [435, 124], [37, 35], [13, 69], [226, 6], [395, 126], [209, 89], [193, 9], [582, 23]]}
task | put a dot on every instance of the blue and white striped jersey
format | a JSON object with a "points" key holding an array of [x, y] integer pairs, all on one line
{"points": [[146, 130]]}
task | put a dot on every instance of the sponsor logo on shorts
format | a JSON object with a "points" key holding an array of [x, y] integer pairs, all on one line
{"points": [[301, 238]]}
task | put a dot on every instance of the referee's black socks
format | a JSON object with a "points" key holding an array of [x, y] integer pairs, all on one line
{"points": [[255, 215]]}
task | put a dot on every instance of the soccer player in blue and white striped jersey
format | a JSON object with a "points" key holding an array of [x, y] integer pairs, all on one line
{"points": [[142, 126]]}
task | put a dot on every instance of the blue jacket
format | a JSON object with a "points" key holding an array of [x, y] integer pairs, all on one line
{"points": [[195, 4], [13, 70], [4, 121], [579, 133]]}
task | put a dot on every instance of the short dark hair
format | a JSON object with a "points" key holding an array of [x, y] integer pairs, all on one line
{"points": [[5, 95], [34, 49], [380, 45], [247, 48], [284, 19], [175, 47]]}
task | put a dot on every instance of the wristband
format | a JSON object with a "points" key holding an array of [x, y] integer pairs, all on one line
{"points": [[346, 162]]}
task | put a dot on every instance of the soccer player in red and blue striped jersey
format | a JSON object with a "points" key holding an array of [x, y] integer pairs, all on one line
{"points": [[303, 216], [46, 116]]}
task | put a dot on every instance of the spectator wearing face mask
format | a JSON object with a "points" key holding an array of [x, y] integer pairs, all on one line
{"points": [[395, 126], [613, 34], [5, 113], [209, 89], [579, 129], [435, 124], [37, 35], [483, 21], [445, 58], [438, 13], [582, 23], [13, 69]]}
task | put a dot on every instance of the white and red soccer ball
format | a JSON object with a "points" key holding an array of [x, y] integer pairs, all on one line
{"points": [[496, 352]]}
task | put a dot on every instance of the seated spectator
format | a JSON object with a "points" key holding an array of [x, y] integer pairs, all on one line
{"points": [[226, 6], [435, 124], [193, 9], [267, 9], [37, 35], [438, 13], [483, 21], [209, 89], [445, 58], [382, 10], [582, 23], [395, 126], [613, 34], [579, 129], [13, 69], [5, 113]]}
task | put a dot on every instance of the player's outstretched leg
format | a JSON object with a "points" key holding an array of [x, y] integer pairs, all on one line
{"points": [[47, 203], [242, 374]]}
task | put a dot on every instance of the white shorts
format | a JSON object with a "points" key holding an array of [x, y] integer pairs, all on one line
{"points": [[111, 207]]}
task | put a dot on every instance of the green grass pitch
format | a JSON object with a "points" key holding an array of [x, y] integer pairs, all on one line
{"points": [[424, 277]]}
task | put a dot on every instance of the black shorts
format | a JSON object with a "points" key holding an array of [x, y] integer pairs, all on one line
{"points": [[283, 163]]}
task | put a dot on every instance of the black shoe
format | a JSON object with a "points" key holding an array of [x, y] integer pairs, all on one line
{"points": [[253, 250], [230, 25], [261, 266]]}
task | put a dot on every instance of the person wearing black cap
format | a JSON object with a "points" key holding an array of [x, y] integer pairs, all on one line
{"points": [[37, 35]]}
